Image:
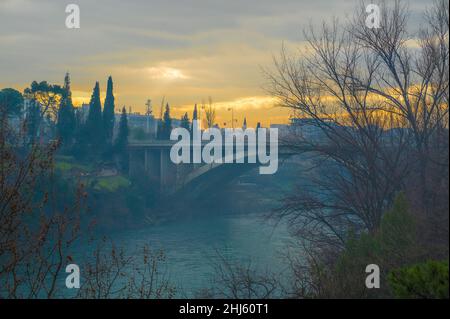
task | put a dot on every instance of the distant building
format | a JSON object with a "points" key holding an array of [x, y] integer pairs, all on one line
{"points": [[301, 127], [148, 123], [283, 129], [306, 128]]}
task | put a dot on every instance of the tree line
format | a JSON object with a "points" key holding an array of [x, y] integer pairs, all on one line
{"points": [[50, 114]]}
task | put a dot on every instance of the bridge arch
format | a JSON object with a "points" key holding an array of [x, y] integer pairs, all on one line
{"points": [[152, 158]]}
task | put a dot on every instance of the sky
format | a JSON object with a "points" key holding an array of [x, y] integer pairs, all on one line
{"points": [[185, 51]]}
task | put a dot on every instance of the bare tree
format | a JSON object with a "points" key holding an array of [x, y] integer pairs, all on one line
{"points": [[241, 280], [378, 103], [114, 273], [35, 234], [413, 82], [210, 113]]}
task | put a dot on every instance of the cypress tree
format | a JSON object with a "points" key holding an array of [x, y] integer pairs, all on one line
{"points": [[108, 112], [167, 123], [185, 121], [94, 123], [194, 117], [66, 114], [194, 114]]}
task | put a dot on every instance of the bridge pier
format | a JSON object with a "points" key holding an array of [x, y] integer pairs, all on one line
{"points": [[152, 165], [168, 172]]}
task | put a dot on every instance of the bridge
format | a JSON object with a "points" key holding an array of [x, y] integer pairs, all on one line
{"points": [[152, 158]]}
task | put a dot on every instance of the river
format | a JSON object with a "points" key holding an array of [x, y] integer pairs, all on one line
{"points": [[192, 246], [192, 242]]}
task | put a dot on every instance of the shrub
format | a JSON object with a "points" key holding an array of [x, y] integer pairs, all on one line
{"points": [[424, 280]]}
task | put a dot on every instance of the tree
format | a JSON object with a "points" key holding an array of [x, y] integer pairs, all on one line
{"points": [[36, 234], [32, 121], [166, 124], [121, 142], [427, 280], [94, 123], [195, 113], [415, 87], [394, 245], [66, 115], [39, 227], [108, 112], [45, 101], [381, 108], [210, 114], [145, 281], [11, 102], [185, 123], [194, 116], [47, 96]]}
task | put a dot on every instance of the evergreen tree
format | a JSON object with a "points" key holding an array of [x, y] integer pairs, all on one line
{"points": [[185, 123], [94, 123], [121, 142], [66, 114], [11, 102], [166, 124], [79, 148], [108, 112], [194, 114]]}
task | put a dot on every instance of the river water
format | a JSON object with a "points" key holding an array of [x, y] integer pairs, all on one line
{"points": [[192, 242], [192, 246]]}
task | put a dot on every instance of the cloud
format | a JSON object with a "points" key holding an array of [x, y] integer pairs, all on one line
{"points": [[185, 50], [166, 73]]}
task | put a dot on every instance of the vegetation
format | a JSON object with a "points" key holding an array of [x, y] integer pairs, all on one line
{"points": [[377, 186], [166, 125], [210, 114], [66, 115], [185, 123], [383, 132], [111, 183], [43, 214], [94, 128], [108, 112], [394, 244], [12, 100], [427, 280]]}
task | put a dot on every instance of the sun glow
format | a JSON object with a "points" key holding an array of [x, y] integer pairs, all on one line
{"points": [[166, 73]]}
